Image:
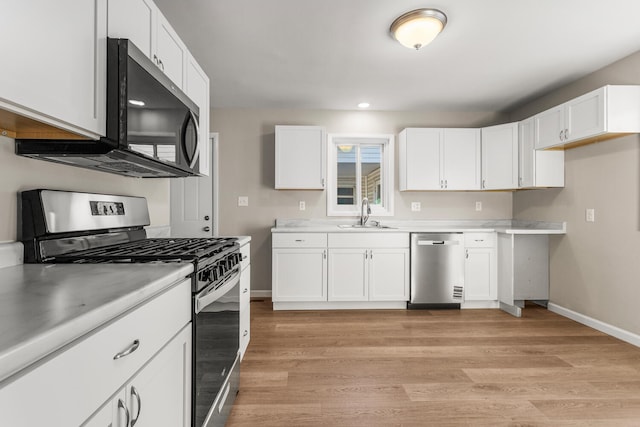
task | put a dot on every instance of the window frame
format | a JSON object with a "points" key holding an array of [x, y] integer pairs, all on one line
{"points": [[387, 173]]}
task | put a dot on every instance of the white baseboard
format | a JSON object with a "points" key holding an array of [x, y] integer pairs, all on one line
{"points": [[479, 304], [596, 324], [340, 305], [260, 294], [11, 253]]}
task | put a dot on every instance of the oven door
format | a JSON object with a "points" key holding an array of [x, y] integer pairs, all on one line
{"points": [[216, 341]]}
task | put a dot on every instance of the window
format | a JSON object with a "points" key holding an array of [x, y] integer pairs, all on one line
{"points": [[360, 166]]}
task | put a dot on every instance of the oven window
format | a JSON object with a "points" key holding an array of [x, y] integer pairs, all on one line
{"points": [[216, 344]]}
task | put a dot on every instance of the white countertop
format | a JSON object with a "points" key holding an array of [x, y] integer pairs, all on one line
{"points": [[43, 307], [424, 226]]}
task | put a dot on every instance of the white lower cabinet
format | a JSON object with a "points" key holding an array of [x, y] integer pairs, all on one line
{"points": [[158, 395], [91, 382], [368, 274], [340, 270], [480, 267], [299, 274]]}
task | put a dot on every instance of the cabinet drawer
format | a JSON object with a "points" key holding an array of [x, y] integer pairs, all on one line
{"points": [[245, 251], [368, 240], [479, 240], [95, 372], [299, 240]]}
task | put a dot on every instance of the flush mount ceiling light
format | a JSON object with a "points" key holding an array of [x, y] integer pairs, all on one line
{"points": [[364, 105], [418, 28]]}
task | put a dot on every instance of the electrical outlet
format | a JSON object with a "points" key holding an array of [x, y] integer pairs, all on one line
{"points": [[302, 205], [590, 215], [416, 207], [243, 201], [478, 206]]}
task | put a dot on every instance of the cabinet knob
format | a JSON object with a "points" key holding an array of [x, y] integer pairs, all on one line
{"points": [[207, 229], [206, 217]]}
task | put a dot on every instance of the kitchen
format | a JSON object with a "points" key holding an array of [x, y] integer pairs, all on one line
{"points": [[587, 276]]}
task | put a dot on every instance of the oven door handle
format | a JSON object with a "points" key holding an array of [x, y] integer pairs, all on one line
{"points": [[208, 295]]}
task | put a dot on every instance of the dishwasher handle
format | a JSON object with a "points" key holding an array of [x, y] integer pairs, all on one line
{"points": [[437, 242]]}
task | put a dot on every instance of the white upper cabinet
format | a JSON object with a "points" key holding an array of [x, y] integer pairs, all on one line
{"points": [[537, 168], [197, 88], [54, 67], [500, 157], [300, 160], [142, 22], [439, 159], [601, 114]]}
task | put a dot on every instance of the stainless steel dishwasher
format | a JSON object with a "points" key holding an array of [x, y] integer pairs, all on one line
{"points": [[437, 270]]}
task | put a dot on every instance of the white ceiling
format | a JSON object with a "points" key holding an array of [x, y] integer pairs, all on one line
{"points": [[332, 54]]}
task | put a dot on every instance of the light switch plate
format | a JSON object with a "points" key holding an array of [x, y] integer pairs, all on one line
{"points": [[590, 215], [416, 207], [243, 201]]}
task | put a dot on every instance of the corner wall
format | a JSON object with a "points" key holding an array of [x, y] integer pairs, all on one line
{"points": [[247, 157], [595, 268]]}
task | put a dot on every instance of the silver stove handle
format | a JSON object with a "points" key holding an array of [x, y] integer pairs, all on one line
{"points": [[207, 296]]}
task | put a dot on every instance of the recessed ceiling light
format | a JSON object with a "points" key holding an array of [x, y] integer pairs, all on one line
{"points": [[363, 105], [136, 103]]}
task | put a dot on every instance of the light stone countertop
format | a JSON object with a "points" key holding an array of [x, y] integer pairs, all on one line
{"points": [[44, 307], [419, 226]]}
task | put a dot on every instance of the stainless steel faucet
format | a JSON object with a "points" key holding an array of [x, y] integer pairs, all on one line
{"points": [[364, 218]]}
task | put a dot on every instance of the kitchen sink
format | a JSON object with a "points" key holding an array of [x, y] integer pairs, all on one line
{"points": [[369, 226]]}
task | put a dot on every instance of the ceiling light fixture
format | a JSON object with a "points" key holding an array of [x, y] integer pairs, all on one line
{"points": [[418, 28], [364, 105]]}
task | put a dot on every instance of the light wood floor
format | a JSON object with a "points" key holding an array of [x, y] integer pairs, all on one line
{"points": [[433, 368]]}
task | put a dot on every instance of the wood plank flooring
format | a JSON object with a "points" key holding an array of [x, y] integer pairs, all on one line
{"points": [[433, 368]]}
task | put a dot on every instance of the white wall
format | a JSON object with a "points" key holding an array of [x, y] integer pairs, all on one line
{"points": [[247, 153], [21, 173], [595, 268]]}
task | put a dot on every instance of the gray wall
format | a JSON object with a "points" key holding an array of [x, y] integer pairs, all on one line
{"points": [[21, 173], [595, 268], [247, 150]]}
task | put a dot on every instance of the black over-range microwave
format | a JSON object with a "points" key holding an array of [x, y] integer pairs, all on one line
{"points": [[151, 129]]}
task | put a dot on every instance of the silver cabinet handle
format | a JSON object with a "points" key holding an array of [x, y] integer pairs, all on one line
{"points": [[561, 134], [566, 134], [322, 182], [245, 290], [366, 254], [484, 183], [371, 253], [446, 184], [134, 392], [324, 254], [299, 240], [133, 347], [161, 64], [155, 58], [121, 405], [245, 333], [467, 254], [442, 183], [207, 229]]}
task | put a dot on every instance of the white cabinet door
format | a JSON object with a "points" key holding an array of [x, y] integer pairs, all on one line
{"points": [[419, 163], [197, 88], [133, 20], [348, 275], [549, 127], [172, 53], [300, 160], [54, 67], [160, 394], [526, 153], [480, 280], [299, 274], [461, 159], [142, 22], [500, 157], [585, 116], [389, 275]]}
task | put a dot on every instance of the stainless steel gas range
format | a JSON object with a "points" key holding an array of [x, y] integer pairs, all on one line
{"points": [[71, 227]]}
